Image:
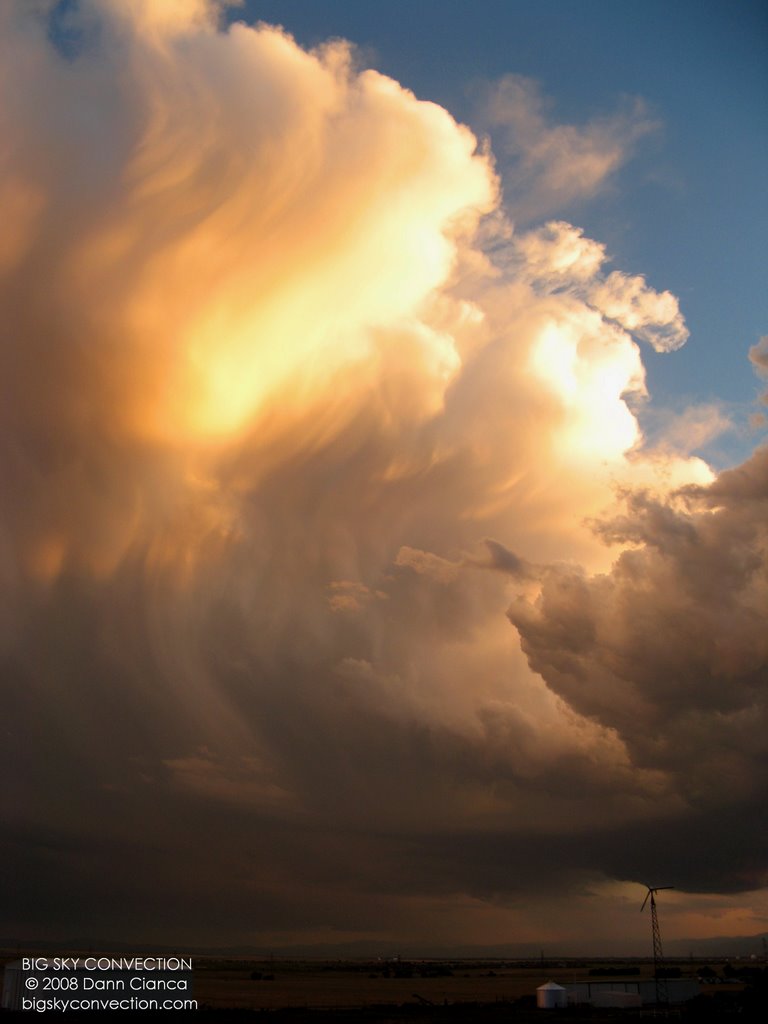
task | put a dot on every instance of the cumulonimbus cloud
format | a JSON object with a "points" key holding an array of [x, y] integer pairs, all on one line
{"points": [[275, 369]]}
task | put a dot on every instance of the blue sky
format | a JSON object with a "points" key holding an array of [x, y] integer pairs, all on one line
{"points": [[688, 210]]}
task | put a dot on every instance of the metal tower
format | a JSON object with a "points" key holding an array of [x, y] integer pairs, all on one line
{"points": [[662, 996]]}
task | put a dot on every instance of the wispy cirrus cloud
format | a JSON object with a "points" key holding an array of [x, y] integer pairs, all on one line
{"points": [[551, 166]]}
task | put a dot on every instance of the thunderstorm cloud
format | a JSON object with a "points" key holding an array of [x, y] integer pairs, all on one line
{"points": [[296, 428]]}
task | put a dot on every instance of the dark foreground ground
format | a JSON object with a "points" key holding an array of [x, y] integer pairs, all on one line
{"points": [[704, 1011], [235, 991]]}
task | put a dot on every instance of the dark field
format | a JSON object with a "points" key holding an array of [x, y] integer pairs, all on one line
{"points": [[350, 984]]}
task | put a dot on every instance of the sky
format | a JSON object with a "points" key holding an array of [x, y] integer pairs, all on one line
{"points": [[383, 535]]}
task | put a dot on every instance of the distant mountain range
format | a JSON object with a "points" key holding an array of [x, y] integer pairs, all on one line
{"points": [[731, 945], [716, 947]]}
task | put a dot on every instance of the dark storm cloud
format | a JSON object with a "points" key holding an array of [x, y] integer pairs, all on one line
{"points": [[670, 648]]}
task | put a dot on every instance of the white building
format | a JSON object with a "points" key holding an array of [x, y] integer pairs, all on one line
{"points": [[551, 996], [642, 992]]}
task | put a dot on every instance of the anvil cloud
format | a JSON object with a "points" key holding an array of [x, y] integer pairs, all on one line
{"points": [[284, 390]]}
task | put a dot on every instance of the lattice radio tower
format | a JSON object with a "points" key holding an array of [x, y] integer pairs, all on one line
{"points": [[662, 996]]}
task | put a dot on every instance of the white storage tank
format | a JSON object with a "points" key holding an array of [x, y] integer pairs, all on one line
{"points": [[551, 996]]}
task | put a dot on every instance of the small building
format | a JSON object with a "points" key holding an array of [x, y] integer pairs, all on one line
{"points": [[642, 991], [551, 996]]}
